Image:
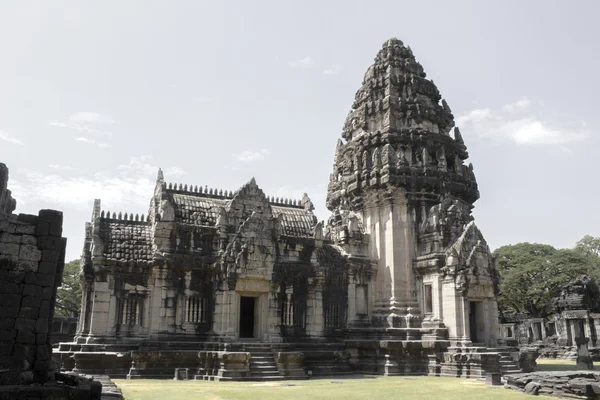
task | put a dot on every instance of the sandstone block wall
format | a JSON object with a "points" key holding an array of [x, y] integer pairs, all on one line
{"points": [[32, 254]]}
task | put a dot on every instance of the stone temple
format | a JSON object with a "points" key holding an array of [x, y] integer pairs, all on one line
{"points": [[215, 284]]}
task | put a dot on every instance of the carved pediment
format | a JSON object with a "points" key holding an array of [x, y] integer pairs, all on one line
{"points": [[248, 199]]}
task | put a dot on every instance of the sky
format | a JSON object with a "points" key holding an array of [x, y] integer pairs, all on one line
{"points": [[96, 96]]}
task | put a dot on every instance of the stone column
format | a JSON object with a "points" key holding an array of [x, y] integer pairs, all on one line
{"points": [[392, 232], [351, 302], [99, 323], [315, 323]]}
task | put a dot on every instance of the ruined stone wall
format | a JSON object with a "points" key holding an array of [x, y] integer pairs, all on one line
{"points": [[32, 255]]}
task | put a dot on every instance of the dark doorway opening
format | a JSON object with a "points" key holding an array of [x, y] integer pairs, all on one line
{"points": [[473, 321], [247, 317]]}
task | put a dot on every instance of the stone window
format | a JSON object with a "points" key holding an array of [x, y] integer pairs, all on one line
{"points": [[332, 316], [428, 292], [509, 332], [130, 311], [291, 314], [196, 309]]}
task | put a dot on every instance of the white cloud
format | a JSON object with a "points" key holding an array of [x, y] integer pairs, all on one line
{"points": [[249, 156], [10, 139], [333, 70], [201, 99], [518, 105], [92, 141], [128, 188], [305, 62], [517, 122], [91, 117], [87, 123]]}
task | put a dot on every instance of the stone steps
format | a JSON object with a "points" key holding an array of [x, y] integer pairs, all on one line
{"points": [[262, 364]]}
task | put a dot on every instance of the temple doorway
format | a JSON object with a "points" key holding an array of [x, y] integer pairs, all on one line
{"points": [[247, 307], [474, 321]]}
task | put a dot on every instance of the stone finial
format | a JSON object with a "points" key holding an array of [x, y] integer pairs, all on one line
{"points": [[457, 136], [160, 177], [306, 203], [96, 210]]}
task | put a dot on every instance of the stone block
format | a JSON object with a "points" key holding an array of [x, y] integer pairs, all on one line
{"points": [[24, 324], [42, 228], [25, 351], [47, 293], [30, 253], [44, 309], [41, 338], [43, 352], [50, 256], [7, 323], [9, 312], [47, 267], [54, 219], [27, 229], [27, 266], [25, 336], [46, 280], [6, 226], [28, 240], [10, 288], [31, 301], [10, 300], [6, 347], [48, 242], [9, 249], [27, 218], [41, 325], [29, 312], [32, 290], [6, 237], [6, 335]]}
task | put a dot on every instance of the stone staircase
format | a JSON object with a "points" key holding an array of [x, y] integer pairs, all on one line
{"points": [[262, 363], [507, 364]]}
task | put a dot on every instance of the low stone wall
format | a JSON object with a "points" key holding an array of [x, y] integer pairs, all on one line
{"points": [[571, 384]]}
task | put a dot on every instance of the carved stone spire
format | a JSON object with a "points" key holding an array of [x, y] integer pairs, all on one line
{"points": [[398, 116]]}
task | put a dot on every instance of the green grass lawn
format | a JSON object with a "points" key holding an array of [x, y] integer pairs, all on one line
{"points": [[329, 389], [556, 365]]}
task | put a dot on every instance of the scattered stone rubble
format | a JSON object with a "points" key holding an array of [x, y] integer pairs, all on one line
{"points": [[32, 255], [571, 384]]}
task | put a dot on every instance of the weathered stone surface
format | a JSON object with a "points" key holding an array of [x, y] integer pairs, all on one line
{"points": [[214, 266], [26, 368], [565, 384]]}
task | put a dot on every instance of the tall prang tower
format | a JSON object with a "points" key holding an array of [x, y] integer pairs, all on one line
{"points": [[400, 180]]}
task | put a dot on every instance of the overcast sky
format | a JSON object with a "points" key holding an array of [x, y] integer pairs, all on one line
{"points": [[95, 96]]}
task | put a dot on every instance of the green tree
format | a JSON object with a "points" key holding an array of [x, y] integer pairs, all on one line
{"points": [[68, 295], [532, 275], [589, 244]]}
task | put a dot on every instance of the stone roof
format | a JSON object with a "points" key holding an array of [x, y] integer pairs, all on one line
{"points": [[203, 210], [295, 221], [126, 240], [195, 210]]}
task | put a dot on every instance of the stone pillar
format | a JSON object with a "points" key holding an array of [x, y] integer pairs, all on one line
{"points": [[99, 324], [315, 322], [391, 228], [351, 302]]}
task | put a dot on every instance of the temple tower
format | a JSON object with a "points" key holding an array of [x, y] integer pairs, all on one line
{"points": [[396, 160]]}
